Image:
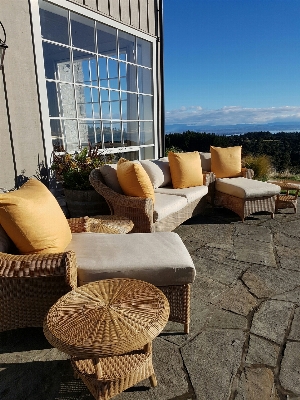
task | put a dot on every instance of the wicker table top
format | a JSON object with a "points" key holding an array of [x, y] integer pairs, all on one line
{"points": [[286, 184], [102, 224], [106, 318]]}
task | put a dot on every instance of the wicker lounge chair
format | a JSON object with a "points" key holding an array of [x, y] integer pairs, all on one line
{"points": [[31, 284], [245, 196]]}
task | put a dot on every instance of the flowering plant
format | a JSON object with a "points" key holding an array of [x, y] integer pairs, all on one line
{"points": [[73, 170]]}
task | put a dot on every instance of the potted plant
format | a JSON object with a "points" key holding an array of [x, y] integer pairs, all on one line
{"points": [[73, 170]]}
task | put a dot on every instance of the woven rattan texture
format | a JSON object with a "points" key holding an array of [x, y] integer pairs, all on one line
{"points": [[245, 207], [31, 284], [101, 224], [105, 318], [179, 298], [120, 373]]}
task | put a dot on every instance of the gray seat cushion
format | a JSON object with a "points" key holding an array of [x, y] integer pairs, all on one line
{"points": [[158, 171], [246, 188], [191, 193], [159, 258], [167, 204]]}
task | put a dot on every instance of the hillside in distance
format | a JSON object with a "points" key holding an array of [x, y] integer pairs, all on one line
{"points": [[283, 148], [237, 129]]}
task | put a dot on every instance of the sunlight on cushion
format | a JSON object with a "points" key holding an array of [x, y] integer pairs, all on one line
{"points": [[226, 162], [185, 169], [134, 180], [33, 219]]}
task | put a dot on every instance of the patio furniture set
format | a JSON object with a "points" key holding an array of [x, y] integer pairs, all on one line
{"points": [[112, 282]]}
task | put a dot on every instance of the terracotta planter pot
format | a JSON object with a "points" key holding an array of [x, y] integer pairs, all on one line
{"points": [[81, 203]]}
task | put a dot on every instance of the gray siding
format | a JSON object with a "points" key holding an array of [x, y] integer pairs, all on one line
{"points": [[22, 145], [24, 141], [140, 14]]}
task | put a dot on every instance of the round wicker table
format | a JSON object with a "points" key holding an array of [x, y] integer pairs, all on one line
{"points": [[101, 224], [107, 328]]}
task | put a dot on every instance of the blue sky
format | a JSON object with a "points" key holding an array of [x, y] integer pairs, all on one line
{"points": [[232, 61]]}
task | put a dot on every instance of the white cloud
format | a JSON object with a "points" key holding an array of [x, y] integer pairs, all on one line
{"points": [[231, 115]]}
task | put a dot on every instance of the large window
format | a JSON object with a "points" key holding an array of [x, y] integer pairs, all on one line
{"points": [[99, 83]]}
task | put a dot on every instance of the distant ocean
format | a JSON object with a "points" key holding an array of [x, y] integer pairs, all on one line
{"points": [[237, 129]]}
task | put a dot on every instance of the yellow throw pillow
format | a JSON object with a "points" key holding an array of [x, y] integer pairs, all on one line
{"points": [[226, 162], [186, 170], [33, 219], [134, 180]]}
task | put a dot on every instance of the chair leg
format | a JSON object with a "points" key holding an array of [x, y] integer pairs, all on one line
{"points": [[187, 327], [153, 380]]}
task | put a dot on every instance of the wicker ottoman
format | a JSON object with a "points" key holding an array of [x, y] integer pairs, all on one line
{"points": [[107, 328], [246, 196], [159, 258]]}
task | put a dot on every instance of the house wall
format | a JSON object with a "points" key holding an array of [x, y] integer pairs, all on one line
{"points": [[22, 148], [20, 127]]}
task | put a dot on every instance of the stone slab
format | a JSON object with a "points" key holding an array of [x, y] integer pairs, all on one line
{"points": [[267, 281], [262, 351], [236, 299], [295, 328], [272, 320], [257, 383], [226, 271], [257, 233], [212, 359], [254, 251], [222, 319], [290, 368]]}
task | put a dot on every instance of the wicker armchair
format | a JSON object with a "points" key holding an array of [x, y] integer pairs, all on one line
{"points": [[31, 284], [140, 210]]}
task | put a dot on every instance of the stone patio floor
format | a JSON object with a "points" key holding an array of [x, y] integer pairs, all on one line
{"points": [[244, 342]]}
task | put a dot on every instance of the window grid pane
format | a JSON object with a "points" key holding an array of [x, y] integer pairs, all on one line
{"points": [[99, 82]]}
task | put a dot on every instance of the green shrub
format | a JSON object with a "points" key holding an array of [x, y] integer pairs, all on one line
{"points": [[261, 166], [174, 149]]}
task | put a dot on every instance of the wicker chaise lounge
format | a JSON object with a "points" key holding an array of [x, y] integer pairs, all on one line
{"points": [[245, 196], [233, 187]]}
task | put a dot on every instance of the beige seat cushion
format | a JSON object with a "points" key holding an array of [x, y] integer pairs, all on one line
{"points": [[166, 204], [191, 193], [246, 188], [159, 258]]}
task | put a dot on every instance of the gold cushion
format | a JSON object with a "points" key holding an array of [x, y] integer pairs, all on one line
{"points": [[226, 162], [186, 170], [33, 219], [134, 180]]}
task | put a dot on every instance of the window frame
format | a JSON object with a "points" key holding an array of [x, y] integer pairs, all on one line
{"points": [[41, 78]]}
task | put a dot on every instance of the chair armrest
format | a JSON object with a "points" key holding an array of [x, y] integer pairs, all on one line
{"points": [[113, 197], [208, 178], [40, 265], [247, 173], [139, 210]]}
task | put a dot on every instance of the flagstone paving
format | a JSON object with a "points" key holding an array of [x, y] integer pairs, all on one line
{"points": [[244, 341]]}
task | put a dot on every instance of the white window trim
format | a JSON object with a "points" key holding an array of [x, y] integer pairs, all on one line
{"points": [[41, 80]]}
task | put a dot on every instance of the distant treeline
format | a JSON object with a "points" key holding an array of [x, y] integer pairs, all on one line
{"points": [[283, 148]]}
